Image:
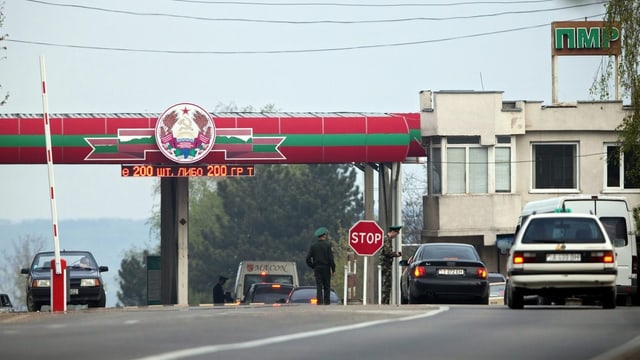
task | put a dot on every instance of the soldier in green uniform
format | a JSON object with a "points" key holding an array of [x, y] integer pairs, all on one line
{"points": [[320, 259], [386, 261]]}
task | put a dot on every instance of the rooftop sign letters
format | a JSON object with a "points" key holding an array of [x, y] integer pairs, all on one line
{"points": [[585, 38]]}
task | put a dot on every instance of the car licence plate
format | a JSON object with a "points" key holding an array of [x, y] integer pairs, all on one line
{"points": [[563, 257], [73, 291], [450, 271]]}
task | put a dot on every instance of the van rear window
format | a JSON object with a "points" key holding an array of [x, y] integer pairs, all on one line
{"points": [[616, 229]]}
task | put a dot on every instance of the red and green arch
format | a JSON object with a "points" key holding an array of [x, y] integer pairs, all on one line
{"points": [[241, 138]]}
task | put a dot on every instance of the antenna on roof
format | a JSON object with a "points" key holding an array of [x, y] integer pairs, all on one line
{"points": [[481, 82]]}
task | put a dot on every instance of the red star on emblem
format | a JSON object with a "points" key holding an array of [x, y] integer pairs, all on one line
{"points": [[185, 110]]}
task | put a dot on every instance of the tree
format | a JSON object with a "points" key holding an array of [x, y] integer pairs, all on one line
{"points": [[2, 37], [12, 281], [625, 13], [413, 189], [133, 279]]}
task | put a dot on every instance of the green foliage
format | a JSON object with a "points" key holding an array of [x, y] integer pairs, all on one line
{"points": [[133, 279], [636, 217], [207, 217], [626, 13]]}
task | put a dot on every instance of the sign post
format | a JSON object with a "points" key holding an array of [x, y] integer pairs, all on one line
{"points": [[366, 237]]}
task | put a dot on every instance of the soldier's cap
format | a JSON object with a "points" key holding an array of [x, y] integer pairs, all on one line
{"points": [[223, 278], [320, 231], [395, 228]]}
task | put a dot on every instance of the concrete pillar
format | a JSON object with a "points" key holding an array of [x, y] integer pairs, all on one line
{"points": [[174, 214]]}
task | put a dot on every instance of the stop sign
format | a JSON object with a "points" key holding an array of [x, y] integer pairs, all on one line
{"points": [[366, 237]]}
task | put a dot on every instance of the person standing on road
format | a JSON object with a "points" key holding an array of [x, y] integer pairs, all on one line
{"points": [[320, 259], [218, 291], [386, 261]]}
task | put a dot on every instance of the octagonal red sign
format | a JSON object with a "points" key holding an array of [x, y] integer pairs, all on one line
{"points": [[366, 237]]}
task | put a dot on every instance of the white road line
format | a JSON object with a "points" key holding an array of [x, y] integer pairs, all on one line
{"points": [[210, 349]]}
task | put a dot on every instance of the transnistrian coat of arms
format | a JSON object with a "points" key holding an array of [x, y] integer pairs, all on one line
{"points": [[185, 133]]}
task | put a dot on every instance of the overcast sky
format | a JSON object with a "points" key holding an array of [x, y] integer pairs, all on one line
{"points": [[143, 56]]}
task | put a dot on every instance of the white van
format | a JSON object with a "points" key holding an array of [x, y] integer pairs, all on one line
{"points": [[264, 271], [613, 212]]}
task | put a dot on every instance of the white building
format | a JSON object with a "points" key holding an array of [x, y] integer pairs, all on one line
{"points": [[488, 157]]}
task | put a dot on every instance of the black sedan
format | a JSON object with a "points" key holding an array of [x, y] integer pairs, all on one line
{"points": [[307, 295], [85, 281], [268, 293], [444, 271]]}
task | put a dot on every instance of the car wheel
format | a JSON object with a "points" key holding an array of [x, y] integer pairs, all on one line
{"points": [[32, 305], [410, 298], [609, 299], [515, 298], [623, 300], [403, 298]]}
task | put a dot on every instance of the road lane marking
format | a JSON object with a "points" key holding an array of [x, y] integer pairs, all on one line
{"points": [[210, 349]]}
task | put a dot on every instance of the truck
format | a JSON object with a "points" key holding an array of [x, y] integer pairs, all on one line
{"points": [[614, 213], [263, 271]]}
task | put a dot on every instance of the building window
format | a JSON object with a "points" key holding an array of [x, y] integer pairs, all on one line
{"points": [[456, 174], [618, 171], [503, 169], [555, 166], [435, 170], [467, 170], [478, 171], [460, 165]]}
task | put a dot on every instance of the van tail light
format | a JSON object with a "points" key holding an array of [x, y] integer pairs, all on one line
{"points": [[481, 273], [634, 264], [419, 272]]}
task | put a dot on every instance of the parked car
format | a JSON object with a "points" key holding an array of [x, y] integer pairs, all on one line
{"points": [[562, 255], [496, 293], [307, 295], [86, 286], [5, 303], [496, 277], [268, 293], [444, 271]]}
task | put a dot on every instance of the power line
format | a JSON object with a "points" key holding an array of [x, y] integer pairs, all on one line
{"points": [[257, 3], [310, 22], [264, 52], [511, 162]]}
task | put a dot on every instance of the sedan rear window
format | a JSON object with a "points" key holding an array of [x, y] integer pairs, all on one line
{"points": [[270, 294], [446, 252], [563, 230]]}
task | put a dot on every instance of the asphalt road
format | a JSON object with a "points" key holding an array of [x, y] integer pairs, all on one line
{"points": [[324, 332]]}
